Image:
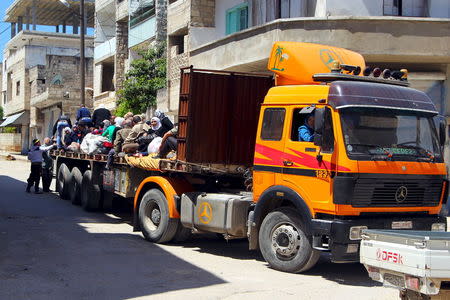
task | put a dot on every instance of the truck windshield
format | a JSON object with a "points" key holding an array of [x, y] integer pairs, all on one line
{"points": [[390, 134]]}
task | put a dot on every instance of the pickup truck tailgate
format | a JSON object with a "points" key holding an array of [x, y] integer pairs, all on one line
{"points": [[393, 256]]}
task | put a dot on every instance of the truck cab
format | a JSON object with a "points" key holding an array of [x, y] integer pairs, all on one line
{"points": [[375, 161]]}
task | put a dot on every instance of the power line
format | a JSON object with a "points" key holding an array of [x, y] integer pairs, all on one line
{"points": [[4, 30]]}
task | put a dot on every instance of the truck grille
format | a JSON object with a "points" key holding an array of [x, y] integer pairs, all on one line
{"points": [[376, 192]]}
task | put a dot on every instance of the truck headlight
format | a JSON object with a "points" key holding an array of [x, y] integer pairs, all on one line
{"points": [[355, 232], [438, 227]]}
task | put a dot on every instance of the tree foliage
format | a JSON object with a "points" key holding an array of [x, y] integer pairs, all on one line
{"points": [[146, 76], [1, 113]]}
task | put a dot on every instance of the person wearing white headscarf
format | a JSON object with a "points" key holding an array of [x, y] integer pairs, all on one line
{"points": [[155, 123], [118, 122]]}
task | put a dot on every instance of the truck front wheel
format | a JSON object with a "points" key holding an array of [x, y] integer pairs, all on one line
{"points": [[154, 218], [284, 244]]}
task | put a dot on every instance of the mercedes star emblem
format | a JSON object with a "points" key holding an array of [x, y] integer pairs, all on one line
{"points": [[401, 194]]}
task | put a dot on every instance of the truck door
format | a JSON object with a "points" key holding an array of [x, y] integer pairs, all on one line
{"points": [[306, 167]]}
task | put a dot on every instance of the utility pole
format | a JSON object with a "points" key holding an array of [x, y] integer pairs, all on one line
{"points": [[82, 54]]}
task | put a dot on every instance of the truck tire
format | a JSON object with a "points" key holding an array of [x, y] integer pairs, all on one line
{"points": [[63, 181], [284, 244], [154, 218], [75, 186], [182, 234], [90, 193]]}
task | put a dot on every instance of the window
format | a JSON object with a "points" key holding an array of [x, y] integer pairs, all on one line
{"points": [[237, 18], [141, 10], [273, 121], [328, 134], [18, 88], [407, 8], [298, 119]]}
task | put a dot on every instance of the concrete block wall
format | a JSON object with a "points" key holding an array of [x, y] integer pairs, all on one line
{"points": [[10, 142]]}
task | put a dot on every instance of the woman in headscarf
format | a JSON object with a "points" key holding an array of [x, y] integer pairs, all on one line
{"points": [[157, 128]]}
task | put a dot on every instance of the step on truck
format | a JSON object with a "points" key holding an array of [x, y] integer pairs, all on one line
{"points": [[373, 159]]}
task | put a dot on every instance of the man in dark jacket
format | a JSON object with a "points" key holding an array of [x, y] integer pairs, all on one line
{"points": [[99, 115], [83, 112], [35, 156]]}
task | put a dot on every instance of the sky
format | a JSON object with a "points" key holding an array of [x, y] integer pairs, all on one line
{"points": [[4, 27], [5, 30]]}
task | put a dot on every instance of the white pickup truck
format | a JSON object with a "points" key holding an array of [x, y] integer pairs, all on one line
{"points": [[416, 262]]}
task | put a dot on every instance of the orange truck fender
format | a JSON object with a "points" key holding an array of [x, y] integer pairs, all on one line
{"points": [[171, 187]]}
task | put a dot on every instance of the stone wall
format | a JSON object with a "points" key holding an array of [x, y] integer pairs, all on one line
{"points": [[202, 13], [121, 54], [161, 20]]}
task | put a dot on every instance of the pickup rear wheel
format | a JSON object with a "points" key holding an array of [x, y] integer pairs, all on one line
{"points": [[63, 181], [154, 218], [75, 192], [90, 193], [284, 244]]}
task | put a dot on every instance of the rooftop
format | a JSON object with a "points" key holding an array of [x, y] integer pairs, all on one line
{"points": [[49, 12], [40, 38]]}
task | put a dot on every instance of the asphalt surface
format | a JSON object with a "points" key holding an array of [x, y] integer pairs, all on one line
{"points": [[50, 249]]}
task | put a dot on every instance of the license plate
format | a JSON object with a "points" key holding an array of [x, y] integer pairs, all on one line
{"points": [[394, 280], [402, 225]]}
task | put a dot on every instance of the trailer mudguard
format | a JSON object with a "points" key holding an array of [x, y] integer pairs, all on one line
{"points": [[171, 187]]}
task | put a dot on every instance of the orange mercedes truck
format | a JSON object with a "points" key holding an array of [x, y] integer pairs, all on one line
{"points": [[299, 162]]}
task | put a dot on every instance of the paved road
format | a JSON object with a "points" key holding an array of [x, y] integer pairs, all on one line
{"points": [[50, 249]]}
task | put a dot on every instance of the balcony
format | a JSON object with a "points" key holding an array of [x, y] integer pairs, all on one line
{"points": [[105, 50], [178, 16], [142, 32]]}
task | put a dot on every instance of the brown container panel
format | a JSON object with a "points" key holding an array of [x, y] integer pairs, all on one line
{"points": [[222, 116]]}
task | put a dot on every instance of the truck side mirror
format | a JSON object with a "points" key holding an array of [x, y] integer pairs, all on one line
{"points": [[319, 121], [442, 132]]}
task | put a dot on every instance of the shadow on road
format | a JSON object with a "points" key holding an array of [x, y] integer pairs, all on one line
{"points": [[53, 250], [349, 273]]}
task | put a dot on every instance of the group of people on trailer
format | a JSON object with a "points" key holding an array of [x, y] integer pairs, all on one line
{"points": [[102, 133]]}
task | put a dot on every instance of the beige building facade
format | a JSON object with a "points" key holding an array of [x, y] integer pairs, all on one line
{"points": [[41, 70]]}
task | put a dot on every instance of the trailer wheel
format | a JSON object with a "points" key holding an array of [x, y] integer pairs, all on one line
{"points": [[90, 193], [154, 218], [63, 180], [284, 244], [75, 186]]}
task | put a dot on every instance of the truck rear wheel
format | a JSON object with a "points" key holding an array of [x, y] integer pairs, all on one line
{"points": [[63, 181], [75, 192], [182, 234], [90, 193], [154, 218], [284, 244]]}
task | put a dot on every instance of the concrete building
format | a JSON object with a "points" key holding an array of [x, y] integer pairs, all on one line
{"points": [[238, 35], [41, 70], [122, 28]]}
